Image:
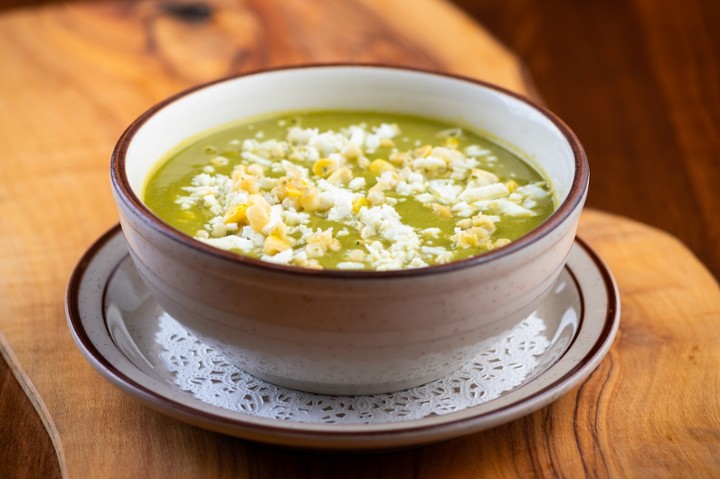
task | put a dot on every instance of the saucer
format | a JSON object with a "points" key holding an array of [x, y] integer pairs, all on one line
{"points": [[139, 348]]}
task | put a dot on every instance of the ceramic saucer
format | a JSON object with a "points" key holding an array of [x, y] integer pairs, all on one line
{"points": [[134, 344]]}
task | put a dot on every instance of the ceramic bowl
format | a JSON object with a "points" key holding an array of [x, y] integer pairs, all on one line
{"points": [[342, 332]]}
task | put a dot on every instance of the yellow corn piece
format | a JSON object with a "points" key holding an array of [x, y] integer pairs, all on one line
{"points": [[292, 187], [257, 216], [375, 196], [400, 158], [511, 185], [380, 166], [465, 223], [351, 151], [236, 214], [341, 176], [324, 167], [274, 244], [479, 233], [452, 142], [247, 183], [294, 190], [310, 199], [466, 240], [387, 143], [281, 231], [483, 221], [470, 238], [359, 203], [442, 211]]}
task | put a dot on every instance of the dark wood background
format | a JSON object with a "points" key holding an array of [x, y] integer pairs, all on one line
{"points": [[638, 81]]}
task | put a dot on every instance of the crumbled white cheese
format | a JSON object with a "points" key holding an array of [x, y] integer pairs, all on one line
{"points": [[350, 265], [231, 242], [357, 183], [495, 190], [283, 257]]}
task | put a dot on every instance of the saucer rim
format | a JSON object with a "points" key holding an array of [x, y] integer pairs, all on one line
{"points": [[333, 436]]}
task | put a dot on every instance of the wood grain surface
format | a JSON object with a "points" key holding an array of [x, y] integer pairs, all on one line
{"points": [[639, 81], [75, 74]]}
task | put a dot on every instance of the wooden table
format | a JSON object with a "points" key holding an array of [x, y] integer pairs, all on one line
{"points": [[644, 104]]}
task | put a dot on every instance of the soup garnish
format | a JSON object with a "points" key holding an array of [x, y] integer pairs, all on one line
{"points": [[349, 190]]}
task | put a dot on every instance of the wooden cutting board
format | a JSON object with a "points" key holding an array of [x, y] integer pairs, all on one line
{"points": [[75, 74]]}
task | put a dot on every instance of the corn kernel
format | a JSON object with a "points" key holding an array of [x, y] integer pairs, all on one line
{"points": [[257, 217], [290, 187], [511, 185], [399, 158], [452, 142], [293, 189], [380, 166], [465, 223], [442, 211], [484, 221], [236, 214], [258, 213], [359, 203], [324, 167], [375, 196], [310, 199], [274, 244], [479, 233], [387, 143], [341, 176], [280, 230], [247, 183], [470, 238]]}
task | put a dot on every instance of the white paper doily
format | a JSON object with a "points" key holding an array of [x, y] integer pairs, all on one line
{"points": [[212, 379]]}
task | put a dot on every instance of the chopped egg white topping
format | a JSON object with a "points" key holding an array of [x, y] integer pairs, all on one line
{"points": [[266, 206]]}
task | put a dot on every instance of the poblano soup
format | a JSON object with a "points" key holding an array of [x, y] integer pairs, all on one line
{"points": [[349, 190]]}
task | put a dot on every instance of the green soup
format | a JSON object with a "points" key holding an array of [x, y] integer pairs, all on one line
{"points": [[348, 190]]}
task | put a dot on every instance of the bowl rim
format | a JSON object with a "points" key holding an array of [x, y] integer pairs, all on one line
{"points": [[126, 194]]}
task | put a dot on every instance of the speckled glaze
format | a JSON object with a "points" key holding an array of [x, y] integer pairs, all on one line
{"points": [[342, 332]]}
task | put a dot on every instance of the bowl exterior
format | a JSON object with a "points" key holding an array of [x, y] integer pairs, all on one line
{"points": [[348, 333], [360, 336]]}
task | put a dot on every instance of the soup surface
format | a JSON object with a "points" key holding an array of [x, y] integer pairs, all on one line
{"points": [[348, 190]]}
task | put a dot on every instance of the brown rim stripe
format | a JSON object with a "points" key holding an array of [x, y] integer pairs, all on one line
{"points": [[577, 191], [191, 414]]}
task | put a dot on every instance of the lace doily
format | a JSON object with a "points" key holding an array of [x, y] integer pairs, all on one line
{"points": [[207, 374]]}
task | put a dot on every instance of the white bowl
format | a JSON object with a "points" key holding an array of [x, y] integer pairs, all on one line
{"points": [[342, 332]]}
